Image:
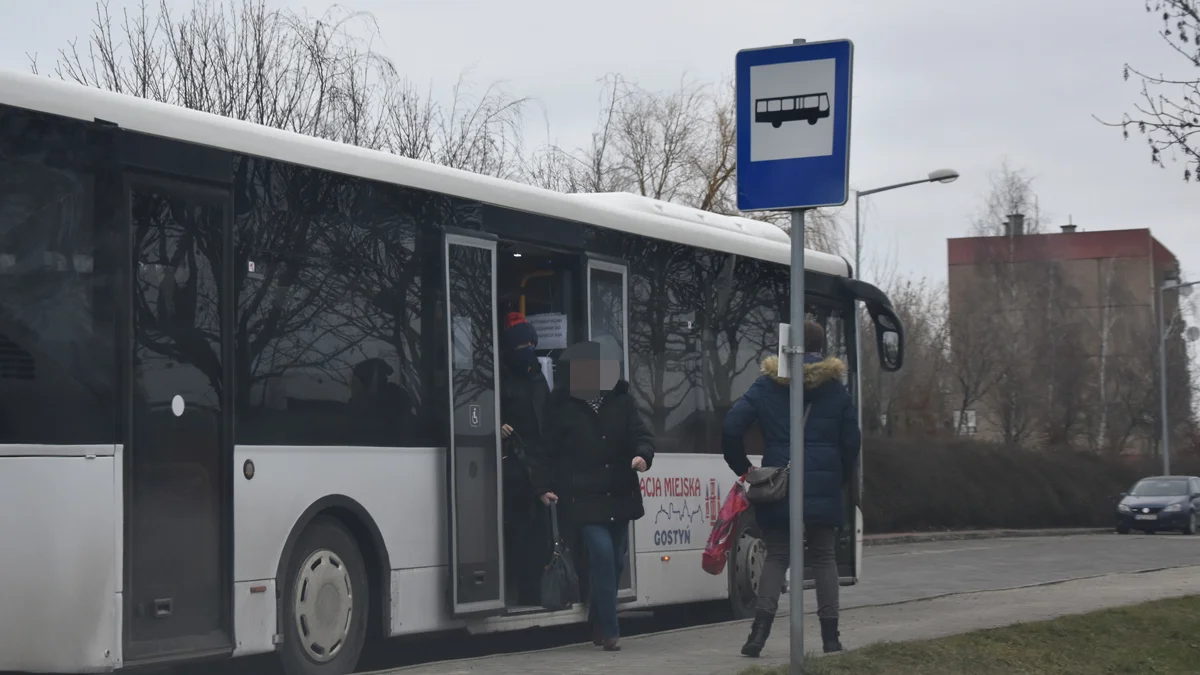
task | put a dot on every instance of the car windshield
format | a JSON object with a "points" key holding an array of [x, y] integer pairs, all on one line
{"points": [[1160, 488]]}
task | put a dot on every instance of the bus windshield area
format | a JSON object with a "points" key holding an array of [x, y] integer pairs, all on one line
{"points": [[838, 339]]}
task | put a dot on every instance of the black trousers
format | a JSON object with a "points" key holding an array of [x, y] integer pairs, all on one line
{"points": [[527, 543]]}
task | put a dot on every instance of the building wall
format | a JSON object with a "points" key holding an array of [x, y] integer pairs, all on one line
{"points": [[1102, 282]]}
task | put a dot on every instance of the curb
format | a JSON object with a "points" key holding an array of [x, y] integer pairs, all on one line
{"points": [[919, 537]]}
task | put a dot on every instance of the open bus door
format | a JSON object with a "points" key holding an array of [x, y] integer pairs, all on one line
{"points": [[607, 303], [473, 468]]}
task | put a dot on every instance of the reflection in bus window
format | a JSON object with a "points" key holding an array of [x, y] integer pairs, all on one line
{"points": [[57, 366], [330, 303], [607, 292]]}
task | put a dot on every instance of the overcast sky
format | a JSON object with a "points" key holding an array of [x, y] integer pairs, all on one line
{"points": [[938, 83]]}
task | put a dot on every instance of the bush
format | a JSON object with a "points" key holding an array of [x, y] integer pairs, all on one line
{"points": [[920, 485]]}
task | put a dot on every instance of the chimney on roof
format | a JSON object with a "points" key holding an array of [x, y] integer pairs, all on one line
{"points": [[1069, 228], [1015, 225]]}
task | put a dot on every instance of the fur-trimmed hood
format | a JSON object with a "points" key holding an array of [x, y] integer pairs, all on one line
{"points": [[816, 373]]}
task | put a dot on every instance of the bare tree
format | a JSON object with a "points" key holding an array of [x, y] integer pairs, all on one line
{"points": [[991, 350], [1011, 193], [976, 358], [677, 145], [481, 135], [320, 76], [912, 401], [1168, 116]]}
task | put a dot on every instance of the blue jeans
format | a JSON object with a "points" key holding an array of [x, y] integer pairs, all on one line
{"points": [[606, 546]]}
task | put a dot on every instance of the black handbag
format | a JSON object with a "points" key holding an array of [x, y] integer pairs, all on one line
{"points": [[560, 583], [768, 484]]}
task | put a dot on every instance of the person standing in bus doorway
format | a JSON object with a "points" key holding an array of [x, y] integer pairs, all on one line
{"points": [[831, 445], [524, 394], [599, 443]]}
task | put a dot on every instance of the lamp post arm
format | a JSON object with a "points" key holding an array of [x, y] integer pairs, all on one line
{"points": [[864, 193]]}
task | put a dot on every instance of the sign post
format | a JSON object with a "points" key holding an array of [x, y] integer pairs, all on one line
{"points": [[793, 154]]}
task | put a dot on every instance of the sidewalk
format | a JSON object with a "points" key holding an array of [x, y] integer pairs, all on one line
{"points": [[713, 650], [964, 535]]}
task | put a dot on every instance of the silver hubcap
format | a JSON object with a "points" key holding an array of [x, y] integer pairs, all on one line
{"points": [[323, 605], [748, 558]]}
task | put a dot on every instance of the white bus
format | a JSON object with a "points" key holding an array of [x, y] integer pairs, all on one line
{"points": [[248, 383]]}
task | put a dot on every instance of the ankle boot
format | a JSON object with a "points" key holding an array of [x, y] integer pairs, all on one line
{"points": [[830, 635], [760, 630]]}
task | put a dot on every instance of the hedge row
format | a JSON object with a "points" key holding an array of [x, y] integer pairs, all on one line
{"points": [[921, 485]]}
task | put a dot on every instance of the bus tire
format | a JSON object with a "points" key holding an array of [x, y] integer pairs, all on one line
{"points": [[326, 601], [745, 567]]}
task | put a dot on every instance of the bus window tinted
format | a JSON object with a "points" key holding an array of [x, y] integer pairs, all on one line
{"points": [[57, 363], [334, 322]]}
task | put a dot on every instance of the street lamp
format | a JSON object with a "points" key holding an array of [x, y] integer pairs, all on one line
{"points": [[936, 176], [1184, 290]]}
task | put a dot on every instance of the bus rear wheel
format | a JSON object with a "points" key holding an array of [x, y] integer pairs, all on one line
{"points": [[325, 602], [745, 569]]}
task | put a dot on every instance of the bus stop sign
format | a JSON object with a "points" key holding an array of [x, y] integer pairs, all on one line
{"points": [[793, 125]]}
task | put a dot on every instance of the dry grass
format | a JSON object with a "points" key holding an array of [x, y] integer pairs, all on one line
{"points": [[1157, 638]]}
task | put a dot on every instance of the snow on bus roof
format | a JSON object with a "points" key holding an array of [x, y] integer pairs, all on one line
{"points": [[623, 212]]}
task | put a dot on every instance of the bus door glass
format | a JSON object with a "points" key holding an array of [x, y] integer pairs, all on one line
{"points": [[608, 322], [476, 513], [178, 487]]}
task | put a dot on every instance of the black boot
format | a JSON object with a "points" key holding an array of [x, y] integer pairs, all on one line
{"points": [[829, 635], [760, 630]]}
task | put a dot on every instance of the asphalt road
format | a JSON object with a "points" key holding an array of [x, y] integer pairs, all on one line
{"points": [[907, 572], [892, 574]]}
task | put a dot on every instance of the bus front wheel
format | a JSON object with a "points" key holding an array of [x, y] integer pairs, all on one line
{"points": [[326, 602]]}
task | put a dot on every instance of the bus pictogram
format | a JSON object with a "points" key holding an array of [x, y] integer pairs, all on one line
{"points": [[780, 109]]}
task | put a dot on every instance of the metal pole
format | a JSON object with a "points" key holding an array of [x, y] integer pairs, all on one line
{"points": [[857, 309], [857, 239], [796, 479], [1162, 380]]}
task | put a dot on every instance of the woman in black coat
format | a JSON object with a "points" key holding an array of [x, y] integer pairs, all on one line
{"points": [[524, 395], [597, 443]]}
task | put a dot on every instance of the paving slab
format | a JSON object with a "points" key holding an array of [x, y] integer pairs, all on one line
{"points": [[713, 649]]}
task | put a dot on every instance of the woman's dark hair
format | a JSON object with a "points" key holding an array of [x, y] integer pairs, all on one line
{"points": [[814, 338]]}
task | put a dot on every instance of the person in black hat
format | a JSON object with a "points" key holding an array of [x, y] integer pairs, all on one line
{"points": [[598, 444], [524, 393]]}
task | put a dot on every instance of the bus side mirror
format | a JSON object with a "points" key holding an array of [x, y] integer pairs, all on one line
{"points": [[890, 339], [889, 332]]}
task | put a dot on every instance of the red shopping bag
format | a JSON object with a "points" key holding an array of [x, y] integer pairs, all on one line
{"points": [[721, 538]]}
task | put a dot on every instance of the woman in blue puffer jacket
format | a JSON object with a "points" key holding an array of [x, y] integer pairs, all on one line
{"points": [[831, 445]]}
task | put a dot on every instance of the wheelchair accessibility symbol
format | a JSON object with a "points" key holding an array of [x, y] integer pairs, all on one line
{"points": [[473, 412]]}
